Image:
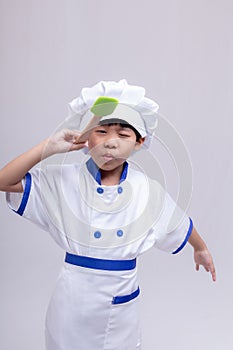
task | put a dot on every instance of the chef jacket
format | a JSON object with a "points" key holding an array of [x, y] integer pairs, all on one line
{"points": [[95, 308]]}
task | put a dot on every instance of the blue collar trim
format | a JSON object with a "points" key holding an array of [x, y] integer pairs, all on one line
{"points": [[95, 171]]}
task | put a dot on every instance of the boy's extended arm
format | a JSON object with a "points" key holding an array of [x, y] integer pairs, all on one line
{"points": [[202, 255], [13, 173]]}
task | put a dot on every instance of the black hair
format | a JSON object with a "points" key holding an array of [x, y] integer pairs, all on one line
{"points": [[122, 123]]}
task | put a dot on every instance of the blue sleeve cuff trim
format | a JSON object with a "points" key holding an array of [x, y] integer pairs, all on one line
{"points": [[27, 190], [186, 238]]}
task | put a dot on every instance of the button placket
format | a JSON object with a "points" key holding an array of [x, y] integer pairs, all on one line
{"points": [[120, 189], [100, 190], [120, 233], [97, 234]]}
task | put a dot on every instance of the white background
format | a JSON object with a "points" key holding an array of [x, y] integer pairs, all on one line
{"points": [[181, 51]]}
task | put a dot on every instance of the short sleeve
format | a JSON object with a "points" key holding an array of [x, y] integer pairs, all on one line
{"points": [[29, 204], [173, 228]]}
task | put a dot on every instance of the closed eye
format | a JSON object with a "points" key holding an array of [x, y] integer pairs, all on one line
{"points": [[124, 135], [100, 131]]}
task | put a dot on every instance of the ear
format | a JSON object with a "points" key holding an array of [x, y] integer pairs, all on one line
{"points": [[139, 143]]}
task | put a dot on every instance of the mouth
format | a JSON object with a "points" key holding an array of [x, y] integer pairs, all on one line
{"points": [[107, 157]]}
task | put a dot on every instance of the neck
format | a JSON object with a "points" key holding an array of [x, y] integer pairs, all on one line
{"points": [[111, 177]]}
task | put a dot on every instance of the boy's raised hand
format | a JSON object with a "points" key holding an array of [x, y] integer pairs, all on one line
{"points": [[65, 140]]}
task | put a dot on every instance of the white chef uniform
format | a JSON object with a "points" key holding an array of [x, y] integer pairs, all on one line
{"points": [[103, 229]]}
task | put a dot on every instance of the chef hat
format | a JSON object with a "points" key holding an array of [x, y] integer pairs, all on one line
{"points": [[116, 100]]}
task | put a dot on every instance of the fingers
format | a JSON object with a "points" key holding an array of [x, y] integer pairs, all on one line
{"points": [[75, 135], [66, 140], [83, 137], [77, 139], [77, 146], [68, 133], [210, 269], [213, 273]]}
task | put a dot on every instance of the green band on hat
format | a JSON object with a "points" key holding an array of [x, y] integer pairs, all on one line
{"points": [[104, 106]]}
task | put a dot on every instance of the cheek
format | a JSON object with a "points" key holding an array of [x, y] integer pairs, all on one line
{"points": [[95, 147], [128, 146], [93, 142]]}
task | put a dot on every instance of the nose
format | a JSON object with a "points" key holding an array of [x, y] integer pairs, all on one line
{"points": [[111, 143]]}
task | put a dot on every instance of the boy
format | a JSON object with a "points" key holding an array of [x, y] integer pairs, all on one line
{"points": [[103, 213]]}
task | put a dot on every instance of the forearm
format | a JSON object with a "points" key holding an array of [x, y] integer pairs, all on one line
{"points": [[196, 241], [12, 174], [64, 141]]}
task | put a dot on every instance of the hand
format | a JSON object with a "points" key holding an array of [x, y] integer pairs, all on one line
{"points": [[204, 258], [84, 135], [65, 141]]}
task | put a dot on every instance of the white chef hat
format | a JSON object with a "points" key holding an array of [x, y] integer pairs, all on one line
{"points": [[126, 102]]}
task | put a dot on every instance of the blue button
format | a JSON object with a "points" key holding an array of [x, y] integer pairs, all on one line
{"points": [[100, 190], [120, 233], [120, 189], [97, 234]]}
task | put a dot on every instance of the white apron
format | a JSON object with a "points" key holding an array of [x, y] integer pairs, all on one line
{"points": [[82, 315]]}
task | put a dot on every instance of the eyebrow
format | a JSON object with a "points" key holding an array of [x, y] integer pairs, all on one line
{"points": [[122, 125], [125, 127]]}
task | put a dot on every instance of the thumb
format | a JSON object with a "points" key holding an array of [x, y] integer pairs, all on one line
{"points": [[77, 146]]}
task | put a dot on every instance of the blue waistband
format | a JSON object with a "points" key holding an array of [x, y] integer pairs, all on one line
{"points": [[100, 264]]}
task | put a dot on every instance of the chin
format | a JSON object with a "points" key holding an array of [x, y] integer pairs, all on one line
{"points": [[111, 165], [107, 166]]}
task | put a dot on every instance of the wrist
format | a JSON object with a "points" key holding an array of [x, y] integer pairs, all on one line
{"points": [[196, 241], [200, 249], [48, 148]]}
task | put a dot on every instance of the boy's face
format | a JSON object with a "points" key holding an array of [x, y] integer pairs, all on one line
{"points": [[110, 145]]}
